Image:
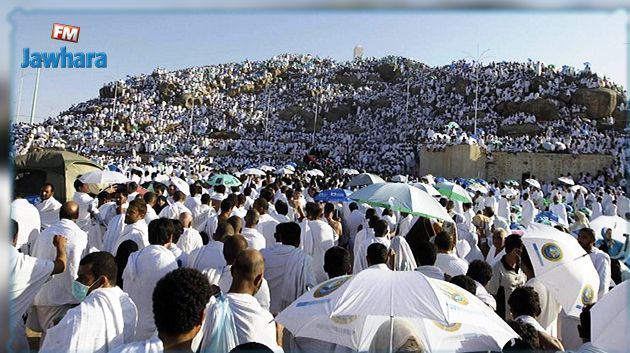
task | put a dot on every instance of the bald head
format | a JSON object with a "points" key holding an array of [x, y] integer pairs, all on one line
{"points": [[69, 210], [251, 218], [237, 223], [232, 246], [248, 269], [185, 219]]}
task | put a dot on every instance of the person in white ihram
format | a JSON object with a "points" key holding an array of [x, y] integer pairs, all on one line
{"points": [[106, 317], [28, 275], [27, 216], [190, 238], [317, 237], [48, 207], [55, 298]]}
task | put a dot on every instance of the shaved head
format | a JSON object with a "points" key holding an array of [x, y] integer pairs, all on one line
{"points": [[233, 246], [237, 224], [69, 210], [185, 219], [248, 265]]}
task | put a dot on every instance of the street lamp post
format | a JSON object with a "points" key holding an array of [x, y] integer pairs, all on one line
{"points": [[35, 93], [316, 112], [192, 110], [477, 62]]}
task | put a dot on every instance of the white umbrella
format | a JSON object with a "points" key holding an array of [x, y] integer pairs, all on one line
{"points": [[562, 266], [567, 180], [365, 179], [508, 192], [347, 171], [618, 225], [103, 177], [610, 326], [284, 171], [533, 182], [399, 179], [289, 167], [428, 188], [180, 184], [478, 187], [575, 188], [253, 171], [401, 197], [314, 172], [267, 168], [428, 304]]}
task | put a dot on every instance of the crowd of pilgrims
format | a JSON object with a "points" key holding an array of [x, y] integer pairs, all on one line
{"points": [[139, 269], [251, 100]]}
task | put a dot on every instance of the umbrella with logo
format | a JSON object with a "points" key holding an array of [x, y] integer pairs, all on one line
{"points": [[562, 266], [106, 177], [365, 179], [610, 323], [401, 197], [342, 311], [333, 195], [618, 225], [453, 191], [224, 179]]}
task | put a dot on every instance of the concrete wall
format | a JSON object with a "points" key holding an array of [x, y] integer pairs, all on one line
{"points": [[545, 166], [470, 162], [455, 161]]}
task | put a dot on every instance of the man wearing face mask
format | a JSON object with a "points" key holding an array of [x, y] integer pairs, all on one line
{"points": [[253, 323], [507, 275], [106, 317], [55, 298]]}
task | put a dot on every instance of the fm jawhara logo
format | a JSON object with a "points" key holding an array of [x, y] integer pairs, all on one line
{"points": [[63, 59]]}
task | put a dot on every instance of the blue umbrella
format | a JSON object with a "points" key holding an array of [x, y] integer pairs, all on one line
{"points": [[333, 195], [293, 164], [114, 168]]}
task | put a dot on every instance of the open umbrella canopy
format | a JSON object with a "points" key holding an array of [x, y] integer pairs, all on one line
{"points": [[546, 217], [428, 188], [610, 322], [346, 171], [399, 179], [567, 180], [365, 179], [533, 182], [575, 188], [253, 171], [284, 171], [267, 168], [224, 179], [618, 225], [107, 177], [453, 191], [401, 197], [180, 184], [562, 266], [314, 172], [290, 167], [474, 187], [333, 195], [336, 311]]}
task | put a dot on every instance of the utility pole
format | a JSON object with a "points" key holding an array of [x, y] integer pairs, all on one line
{"points": [[35, 92], [114, 108], [192, 110]]}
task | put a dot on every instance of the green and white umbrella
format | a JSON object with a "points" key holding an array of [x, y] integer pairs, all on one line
{"points": [[365, 179], [224, 179], [453, 191], [401, 197]]}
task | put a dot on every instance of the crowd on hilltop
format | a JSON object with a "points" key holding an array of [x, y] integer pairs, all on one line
{"points": [[387, 117]]}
